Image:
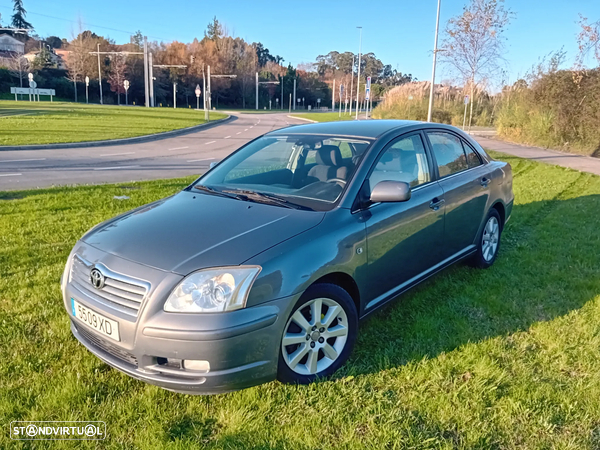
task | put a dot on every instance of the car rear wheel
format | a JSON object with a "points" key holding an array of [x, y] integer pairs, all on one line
{"points": [[319, 335], [488, 241]]}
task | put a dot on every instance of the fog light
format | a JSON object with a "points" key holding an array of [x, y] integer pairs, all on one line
{"points": [[196, 365]]}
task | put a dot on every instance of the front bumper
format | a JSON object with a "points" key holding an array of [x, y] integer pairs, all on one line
{"points": [[241, 347], [251, 352]]}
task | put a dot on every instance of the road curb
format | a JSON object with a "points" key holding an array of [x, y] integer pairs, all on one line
{"points": [[302, 118], [131, 140]]}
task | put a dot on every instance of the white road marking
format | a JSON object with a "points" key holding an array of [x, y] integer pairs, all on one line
{"points": [[226, 137], [10, 174], [238, 132], [177, 148], [118, 154], [23, 160], [203, 159], [246, 129], [115, 167], [211, 142], [252, 126]]}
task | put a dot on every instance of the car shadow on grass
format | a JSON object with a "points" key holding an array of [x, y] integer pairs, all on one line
{"points": [[546, 268]]}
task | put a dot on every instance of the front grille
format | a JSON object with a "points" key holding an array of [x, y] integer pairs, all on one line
{"points": [[120, 292], [109, 348]]}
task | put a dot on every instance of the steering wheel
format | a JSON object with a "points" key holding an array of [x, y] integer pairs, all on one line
{"points": [[337, 180]]}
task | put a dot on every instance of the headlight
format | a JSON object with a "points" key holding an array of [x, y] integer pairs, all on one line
{"points": [[64, 279], [213, 290]]}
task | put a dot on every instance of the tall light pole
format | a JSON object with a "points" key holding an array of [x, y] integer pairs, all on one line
{"points": [[146, 87], [99, 75], [358, 78], [351, 84], [435, 50]]}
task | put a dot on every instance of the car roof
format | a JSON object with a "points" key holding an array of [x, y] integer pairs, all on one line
{"points": [[361, 128]]}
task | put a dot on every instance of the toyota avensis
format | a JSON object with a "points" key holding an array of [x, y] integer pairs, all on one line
{"points": [[262, 267]]}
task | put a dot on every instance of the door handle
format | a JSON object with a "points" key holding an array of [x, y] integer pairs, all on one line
{"points": [[485, 181], [436, 203]]}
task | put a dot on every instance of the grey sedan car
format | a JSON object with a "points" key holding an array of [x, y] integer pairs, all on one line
{"points": [[262, 268]]}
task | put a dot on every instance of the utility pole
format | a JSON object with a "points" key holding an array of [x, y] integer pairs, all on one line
{"points": [[358, 77], [294, 93], [204, 94], [435, 50], [333, 97], [290, 105], [282, 92], [151, 70], [174, 95], [146, 90], [209, 91], [99, 74], [262, 82], [351, 84]]}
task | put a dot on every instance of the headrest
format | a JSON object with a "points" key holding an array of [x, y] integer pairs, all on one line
{"points": [[329, 155]]}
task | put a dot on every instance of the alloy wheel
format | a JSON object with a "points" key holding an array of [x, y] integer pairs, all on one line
{"points": [[491, 236], [314, 336]]}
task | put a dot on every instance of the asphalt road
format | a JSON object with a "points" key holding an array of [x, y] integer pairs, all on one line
{"points": [[190, 154]]}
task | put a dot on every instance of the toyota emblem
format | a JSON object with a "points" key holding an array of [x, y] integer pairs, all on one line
{"points": [[96, 278]]}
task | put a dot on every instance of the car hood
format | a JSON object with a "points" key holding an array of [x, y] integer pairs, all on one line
{"points": [[190, 231]]}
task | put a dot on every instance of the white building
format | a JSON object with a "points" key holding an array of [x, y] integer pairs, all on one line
{"points": [[10, 44]]}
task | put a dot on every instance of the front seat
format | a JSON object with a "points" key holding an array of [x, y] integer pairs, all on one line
{"points": [[329, 164]]}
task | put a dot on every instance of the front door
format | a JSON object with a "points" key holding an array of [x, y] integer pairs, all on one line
{"points": [[403, 239], [462, 176]]}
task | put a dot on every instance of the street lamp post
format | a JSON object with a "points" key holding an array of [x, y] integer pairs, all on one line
{"points": [[358, 77], [87, 85], [435, 50], [99, 75]]}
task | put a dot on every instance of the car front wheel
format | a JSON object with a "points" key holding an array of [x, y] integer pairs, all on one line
{"points": [[318, 336]]}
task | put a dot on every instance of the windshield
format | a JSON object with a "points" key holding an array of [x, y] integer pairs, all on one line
{"points": [[310, 171]]}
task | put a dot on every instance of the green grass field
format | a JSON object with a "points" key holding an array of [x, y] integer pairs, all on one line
{"points": [[23, 123], [505, 358], [326, 117]]}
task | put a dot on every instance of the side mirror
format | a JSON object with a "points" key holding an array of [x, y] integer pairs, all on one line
{"points": [[390, 191], [212, 164]]}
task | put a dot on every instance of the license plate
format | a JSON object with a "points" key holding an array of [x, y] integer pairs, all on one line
{"points": [[98, 322]]}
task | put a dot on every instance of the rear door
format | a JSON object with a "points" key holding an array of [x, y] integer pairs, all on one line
{"points": [[403, 239], [463, 178]]}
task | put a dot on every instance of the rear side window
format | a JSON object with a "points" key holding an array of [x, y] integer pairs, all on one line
{"points": [[472, 157], [449, 153]]}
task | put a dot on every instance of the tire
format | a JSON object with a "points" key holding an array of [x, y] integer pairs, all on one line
{"points": [[488, 241], [332, 346]]}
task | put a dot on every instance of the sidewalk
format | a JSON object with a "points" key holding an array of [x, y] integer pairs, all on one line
{"points": [[577, 162]]}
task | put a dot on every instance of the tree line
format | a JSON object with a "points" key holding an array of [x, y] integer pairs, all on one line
{"points": [[225, 54]]}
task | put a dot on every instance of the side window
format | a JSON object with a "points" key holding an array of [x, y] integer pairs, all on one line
{"points": [[472, 157], [404, 160], [449, 153]]}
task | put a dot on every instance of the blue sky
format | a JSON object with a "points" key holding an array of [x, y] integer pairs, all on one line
{"points": [[399, 32]]}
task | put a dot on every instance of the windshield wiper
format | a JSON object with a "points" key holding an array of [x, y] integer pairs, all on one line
{"points": [[255, 196], [212, 191]]}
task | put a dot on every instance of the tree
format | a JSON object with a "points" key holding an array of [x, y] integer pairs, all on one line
{"points": [[214, 30], [116, 76], [43, 59], [18, 18], [54, 41], [18, 66], [473, 43], [588, 40]]}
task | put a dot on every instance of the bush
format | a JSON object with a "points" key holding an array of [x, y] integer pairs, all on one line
{"points": [[560, 109]]}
